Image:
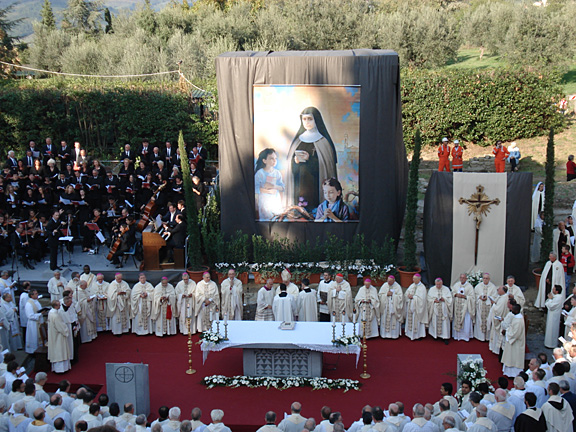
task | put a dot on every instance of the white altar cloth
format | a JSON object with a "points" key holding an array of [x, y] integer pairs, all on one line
{"points": [[314, 336]]}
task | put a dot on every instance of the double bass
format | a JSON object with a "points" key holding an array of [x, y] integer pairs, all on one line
{"points": [[115, 246], [149, 210]]}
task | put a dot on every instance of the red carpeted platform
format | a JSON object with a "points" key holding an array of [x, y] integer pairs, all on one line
{"points": [[404, 370]]}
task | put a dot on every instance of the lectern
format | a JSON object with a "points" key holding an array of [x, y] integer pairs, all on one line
{"points": [[151, 244], [128, 383]]}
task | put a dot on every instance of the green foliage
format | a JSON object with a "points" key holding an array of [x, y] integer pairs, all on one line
{"points": [[410, 260], [8, 51], [102, 116], [82, 16], [479, 106], [47, 14], [212, 237], [108, 19], [192, 222], [549, 184]]}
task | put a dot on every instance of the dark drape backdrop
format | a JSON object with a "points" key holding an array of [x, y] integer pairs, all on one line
{"points": [[438, 236], [382, 168]]}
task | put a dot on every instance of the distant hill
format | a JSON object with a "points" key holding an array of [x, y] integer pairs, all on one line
{"points": [[29, 11]]}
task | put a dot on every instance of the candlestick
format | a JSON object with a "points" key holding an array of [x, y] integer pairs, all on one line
{"points": [[190, 371], [333, 332], [343, 329], [218, 326], [226, 330], [365, 374]]}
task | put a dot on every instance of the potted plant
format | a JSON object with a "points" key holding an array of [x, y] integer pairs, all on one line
{"points": [[410, 262], [548, 226]]}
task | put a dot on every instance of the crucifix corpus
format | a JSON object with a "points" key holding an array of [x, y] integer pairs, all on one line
{"points": [[479, 206]]}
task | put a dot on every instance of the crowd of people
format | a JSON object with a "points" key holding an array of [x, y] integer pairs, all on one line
{"points": [[59, 191], [502, 155]]}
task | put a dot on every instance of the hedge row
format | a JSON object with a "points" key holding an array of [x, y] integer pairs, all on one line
{"points": [[480, 107]]}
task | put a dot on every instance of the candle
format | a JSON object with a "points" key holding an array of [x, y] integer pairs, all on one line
{"points": [[364, 314], [226, 318], [343, 315], [211, 316]]}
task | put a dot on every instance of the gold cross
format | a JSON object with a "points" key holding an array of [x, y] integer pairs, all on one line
{"points": [[478, 205]]}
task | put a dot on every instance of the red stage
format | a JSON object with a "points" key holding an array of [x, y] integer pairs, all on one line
{"points": [[401, 370]]}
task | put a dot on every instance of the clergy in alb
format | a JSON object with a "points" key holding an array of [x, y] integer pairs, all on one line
{"points": [[307, 306], [291, 288], [553, 274], [164, 308], [101, 291], [415, 299], [495, 318], [207, 302], [391, 308], [514, 345], [557, 411], [531, 419], [264, 302], [86, 311], [483, 291], [35, 318], [368, 306], [439, 310], [185, 290], [232, 303], [284, 305], [118, 300], [141, 306], [340, 301], [58, 348], [514, 291], [464, 309], [554, 307]]}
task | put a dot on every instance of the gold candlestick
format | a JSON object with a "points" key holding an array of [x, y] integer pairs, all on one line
{"points": [[225, 330], [365, 374], [190, 371]]}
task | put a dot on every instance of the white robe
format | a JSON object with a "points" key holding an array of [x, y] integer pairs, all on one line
{"points": [[391, 310], [368, 306], [232, 298], [499, 309], [340, 302], [570, 319], [502, 414], [56, 288], [206, 291], [119, 307], [483, 424], [514, 347], [554, 306], [557, 279], [141, 308], [307, 306], [265, 299], [284, 308], [18, 423], [34, 320], [101, 306], [290, 289], [416, 311], [537, 197], [324, 287], [439, 313], [162, 309], [558, 420], [464, 311], [517, 293], [14, 335], [186, 305], [481, 328], [22, 308], [58, 348], [86, 315]]}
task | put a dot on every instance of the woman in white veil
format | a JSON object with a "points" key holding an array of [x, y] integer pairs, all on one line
{"points": [[537, 203]]}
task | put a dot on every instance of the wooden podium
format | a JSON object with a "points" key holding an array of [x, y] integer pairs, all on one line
{"points": [[151, 244]]}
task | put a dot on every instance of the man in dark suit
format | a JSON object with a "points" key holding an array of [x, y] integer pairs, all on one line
{"points": [[145, 152], [128, 153], [12, 163], [75, 154], [53, 233], [169, 156], [28, 160], [95, 185], [34, 149], [176, 238], [64, 153], [48, 152], [169, 219]]}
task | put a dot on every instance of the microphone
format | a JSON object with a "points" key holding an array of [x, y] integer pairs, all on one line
{"points": [[140, 355]]}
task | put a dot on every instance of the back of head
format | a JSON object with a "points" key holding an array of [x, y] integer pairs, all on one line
{"points": [[141, 420], [553, 389], [81, 425], [156, 428], [444, 405], [500, 395], [449, 421], [400, 407], [540, 374], [296, 407], [503, 382], [483, 388], [103, 399], [39, 414], [16, 384], [367, 418], [481, 410], [378, 414], [40, 376], [88, 397], [163, 411], [310, 424], [186, 426], [114, 409], [59, 423], [339, 427], [128, 408], [564, 385], [558, 369], [196, 413], [335, 417], [29, 389], [174, 413], [94, 409], [217, 415], [12, 366], [325, 412], [270, 417], [530, 399], [475, 397], [64, 385], [418, 410], [19, 406]]}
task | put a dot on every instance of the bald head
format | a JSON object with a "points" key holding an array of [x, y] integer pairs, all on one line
{"points": [[481, 410], [393, 409], [500, 395], [296, 407]]}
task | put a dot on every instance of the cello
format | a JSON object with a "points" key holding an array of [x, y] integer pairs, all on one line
{"points": [[149, 210], [115, 246]]}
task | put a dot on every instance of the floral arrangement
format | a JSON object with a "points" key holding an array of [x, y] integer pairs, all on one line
{"points": [[471, 370], [475, 277], [305, 269], [223, 267], [318, 383], [211, 337], [347, 340]]}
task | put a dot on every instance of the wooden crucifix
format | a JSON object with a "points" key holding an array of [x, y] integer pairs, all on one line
{"points": [[479, 206]]}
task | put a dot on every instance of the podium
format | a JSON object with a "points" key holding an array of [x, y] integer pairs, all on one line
{"points": [[151, 244], [128, 383]]}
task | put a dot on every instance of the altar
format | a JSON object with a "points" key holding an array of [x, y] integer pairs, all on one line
{"points": [[269, 351]]}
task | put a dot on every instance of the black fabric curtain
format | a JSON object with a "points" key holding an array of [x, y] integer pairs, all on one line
{"points": [[382, 167]]}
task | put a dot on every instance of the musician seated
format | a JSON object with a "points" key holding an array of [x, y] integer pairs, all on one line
{"points": [[88, 234], [127, 240], [175, 238], [169, 219], [20, 245]]}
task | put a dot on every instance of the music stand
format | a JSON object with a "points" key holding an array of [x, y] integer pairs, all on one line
{"points": [[67, 239]]}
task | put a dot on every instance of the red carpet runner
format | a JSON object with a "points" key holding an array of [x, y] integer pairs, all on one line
{"points": [[402, 370]]}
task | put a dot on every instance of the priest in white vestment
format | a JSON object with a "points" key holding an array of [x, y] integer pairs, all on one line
{"points": [[141, 299], [514, 291], [553, 274], [391, 308], [307, 306], [464, 309], [419, 423], [439, 310], [502, 412], [284, 305], [291, 288], [185, 290], [11, 313], [295, 421], [340, 302], [58, 348], [34, 319], [368, 306], [207, 302], [554, 307], [497, 313], [514, 348], [164, 308], [538, 197], [570, 320], [118, 300], [56, 286], [416, 303], [85, 306], [264, 302], [73, 283], [88, 276], [101, 291], [18, 422], [232, 293], [483, 291], [483, 423], [557, 411]]}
